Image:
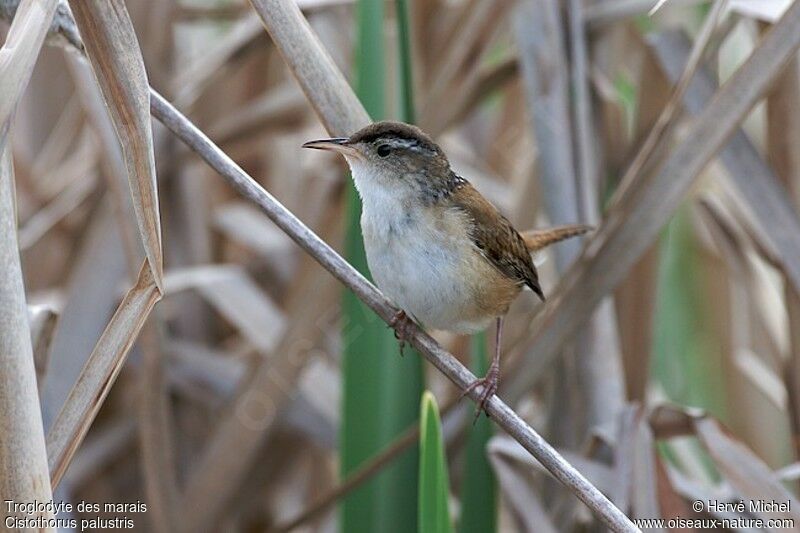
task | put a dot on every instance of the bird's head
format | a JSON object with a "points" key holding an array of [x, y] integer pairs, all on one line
{"points": [[393, 156]]}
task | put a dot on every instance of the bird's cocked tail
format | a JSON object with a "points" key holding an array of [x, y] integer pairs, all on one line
{"points": [[538, 239]]}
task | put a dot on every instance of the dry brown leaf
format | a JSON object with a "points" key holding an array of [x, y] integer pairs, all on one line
{"points": [[110, 152], [746, 473], [113, 50], [99, 373]]}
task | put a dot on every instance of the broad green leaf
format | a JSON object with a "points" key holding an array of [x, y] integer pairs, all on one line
{"points": [[434, 516]]}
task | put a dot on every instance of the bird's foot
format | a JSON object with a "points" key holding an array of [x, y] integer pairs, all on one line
{"points": [[402, 325], [489, 382]]}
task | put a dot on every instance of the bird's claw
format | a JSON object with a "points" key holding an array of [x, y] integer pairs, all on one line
{"points": [[489, 382], [401, 324]]}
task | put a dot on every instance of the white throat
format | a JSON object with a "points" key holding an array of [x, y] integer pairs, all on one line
{"points": [[382, 199]]}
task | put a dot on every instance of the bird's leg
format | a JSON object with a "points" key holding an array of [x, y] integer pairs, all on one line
{"points": [[401, 324], [491, 380]]}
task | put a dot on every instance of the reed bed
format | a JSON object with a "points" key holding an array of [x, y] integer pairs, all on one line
{"points": [[186, 316]]}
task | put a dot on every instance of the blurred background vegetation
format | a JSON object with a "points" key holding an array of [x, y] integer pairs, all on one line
{"points": [[261, 397]]}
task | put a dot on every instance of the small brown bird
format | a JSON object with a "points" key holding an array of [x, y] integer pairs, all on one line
{"points": [[435, 246]]}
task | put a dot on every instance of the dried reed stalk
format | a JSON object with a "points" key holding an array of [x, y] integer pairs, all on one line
{"points": [[23, 457], [24, 476], [569, 183]]}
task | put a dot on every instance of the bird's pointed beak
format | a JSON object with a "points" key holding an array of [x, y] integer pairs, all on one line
{"points": [[336, 144]]}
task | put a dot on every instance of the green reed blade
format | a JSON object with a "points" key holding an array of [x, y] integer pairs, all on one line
{"points": [[433, 484]]}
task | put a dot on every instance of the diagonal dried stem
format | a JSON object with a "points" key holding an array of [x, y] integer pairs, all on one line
{"points": [[159, 472], [120, 73]]}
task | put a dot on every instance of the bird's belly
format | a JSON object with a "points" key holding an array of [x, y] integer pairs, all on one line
{"points": [[430, 276]]}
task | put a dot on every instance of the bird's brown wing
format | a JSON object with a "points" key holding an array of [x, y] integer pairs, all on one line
{"points": [[495, 237]]}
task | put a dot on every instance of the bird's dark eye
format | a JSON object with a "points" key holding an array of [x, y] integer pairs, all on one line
{"points": [[383, 150]]}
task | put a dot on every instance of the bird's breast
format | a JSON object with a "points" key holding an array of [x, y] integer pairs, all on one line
{"points": [[423, 259]]}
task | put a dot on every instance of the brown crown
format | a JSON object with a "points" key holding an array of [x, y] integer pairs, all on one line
{"points": [[388, 129]]}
